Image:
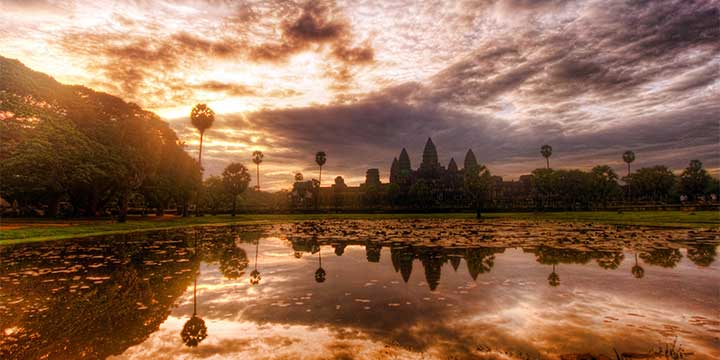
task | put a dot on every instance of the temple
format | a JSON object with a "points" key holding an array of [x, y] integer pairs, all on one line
{"points": [[430, 185]]}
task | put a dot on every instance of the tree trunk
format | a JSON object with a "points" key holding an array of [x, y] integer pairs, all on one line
{"points": [[52, 208], [234, 203], [160, 210], [93, 204], [478, 210], [123, 207]]}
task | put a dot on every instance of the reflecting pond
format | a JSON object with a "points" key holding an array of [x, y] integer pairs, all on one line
{"points": [[367, 290]]}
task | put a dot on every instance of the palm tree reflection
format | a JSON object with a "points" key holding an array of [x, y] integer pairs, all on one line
{"points": [[553, 278], [255, 274], [194, 331], [320, 272], [637, 270]]}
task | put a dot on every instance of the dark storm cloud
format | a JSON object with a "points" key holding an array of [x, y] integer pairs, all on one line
{"points": [[610, 51], [315, 23]]}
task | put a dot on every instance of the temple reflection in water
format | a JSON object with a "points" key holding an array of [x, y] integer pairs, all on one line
{"points": [[127, 295]]}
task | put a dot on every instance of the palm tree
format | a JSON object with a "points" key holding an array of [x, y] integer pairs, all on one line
{"points": [[546, 151], [628, 157], [298, 177], [202, 118], [257, 159], [320, 159]]}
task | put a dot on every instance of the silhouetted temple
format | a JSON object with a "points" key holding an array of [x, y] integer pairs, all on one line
{"points": [[430, 185], [444, 185]]}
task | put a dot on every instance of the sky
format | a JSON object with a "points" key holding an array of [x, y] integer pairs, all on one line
{"points": [[360, 80]]}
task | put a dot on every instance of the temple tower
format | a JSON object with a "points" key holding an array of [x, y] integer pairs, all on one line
{"points": [[394, 171], [452, 166], [470, 160], [404, 163], [430, 157]]}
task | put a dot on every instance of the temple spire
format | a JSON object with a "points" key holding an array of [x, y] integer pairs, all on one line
{"points": [[470, 160], [394, 170], [404, 162], [430, 157], [452, 166]]}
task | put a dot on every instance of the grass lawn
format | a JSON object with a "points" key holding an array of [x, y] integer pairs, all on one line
{"points": [[28, 230]]}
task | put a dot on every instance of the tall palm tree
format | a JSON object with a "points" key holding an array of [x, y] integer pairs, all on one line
{"points": [[202, 118], [628, 157], [298, 177], [320, 159], [257, 159], [546, 151]]}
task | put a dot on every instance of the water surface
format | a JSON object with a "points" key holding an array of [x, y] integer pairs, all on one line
{"points": [[365, 289]]}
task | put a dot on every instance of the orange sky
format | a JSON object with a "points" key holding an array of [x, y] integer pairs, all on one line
{"points": [[362, 79]]}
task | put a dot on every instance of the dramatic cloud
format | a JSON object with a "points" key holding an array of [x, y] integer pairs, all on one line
{"points": [[361, 80]]}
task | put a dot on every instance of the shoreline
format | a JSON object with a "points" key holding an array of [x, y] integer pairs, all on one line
{"points": [[24, 230]]}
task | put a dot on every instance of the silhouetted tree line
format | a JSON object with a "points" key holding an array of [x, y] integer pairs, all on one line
{"points": [[594, 189]]}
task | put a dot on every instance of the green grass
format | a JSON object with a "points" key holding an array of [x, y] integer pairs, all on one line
{"points": [[42, 230]]}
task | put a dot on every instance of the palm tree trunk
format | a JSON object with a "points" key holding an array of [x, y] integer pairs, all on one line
{"points": [[258, 176], [234, 203], [197, 198], [546, 159], [202, 133]]}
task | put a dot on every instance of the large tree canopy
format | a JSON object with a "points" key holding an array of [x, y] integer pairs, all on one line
{"points": [[91, 149]]}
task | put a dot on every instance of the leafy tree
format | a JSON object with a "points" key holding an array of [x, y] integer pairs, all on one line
{"points": [[236, 179], [654, 183], [478, 184], [49, 163], [216, 197], [546, 151], [694, 180], [543, 186], [604, 184], [123, 149], [574, 188]]}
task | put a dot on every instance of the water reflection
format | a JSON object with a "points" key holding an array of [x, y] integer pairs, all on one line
{"points": [[255, 274], [130, 296]]}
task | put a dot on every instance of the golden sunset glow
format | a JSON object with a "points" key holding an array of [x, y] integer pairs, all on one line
{"points": [[501, 77]]}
